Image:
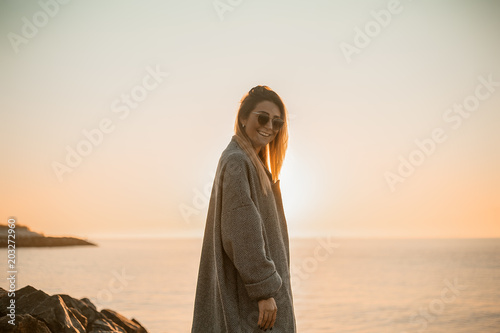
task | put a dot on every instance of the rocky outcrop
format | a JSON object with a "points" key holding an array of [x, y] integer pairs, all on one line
{"points": [[27, 238], [47, 242], [38, 312], [24, 323], [21, 231]]}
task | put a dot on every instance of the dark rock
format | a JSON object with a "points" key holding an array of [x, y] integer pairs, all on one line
{"points": [[81, 318], [87, 309], [131, 326], [26, 291], [88, 303], [26, 299], [105, 326], [24, 323], [135, 321], [37, 312], [54, 312]]}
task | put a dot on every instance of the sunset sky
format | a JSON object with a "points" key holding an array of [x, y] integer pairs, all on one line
{"points": [[394, 113]]}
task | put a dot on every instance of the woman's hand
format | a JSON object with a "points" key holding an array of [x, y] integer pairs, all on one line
{"points": [[267, 313]]}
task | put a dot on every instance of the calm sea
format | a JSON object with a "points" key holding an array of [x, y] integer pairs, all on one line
{"points": [[341, 285]]}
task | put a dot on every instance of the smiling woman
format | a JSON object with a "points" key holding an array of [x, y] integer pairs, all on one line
{"points": [[254, 131], [244, 272]]}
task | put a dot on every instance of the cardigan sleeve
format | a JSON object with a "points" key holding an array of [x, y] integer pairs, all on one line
{"points": [[242, 234]]}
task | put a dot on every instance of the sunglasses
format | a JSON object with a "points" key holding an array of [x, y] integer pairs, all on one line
{"points": [[264, 119]]}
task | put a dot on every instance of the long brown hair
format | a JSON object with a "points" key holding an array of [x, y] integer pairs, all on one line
{"points": [[273, 154]]}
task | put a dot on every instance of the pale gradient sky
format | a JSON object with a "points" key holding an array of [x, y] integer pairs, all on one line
{"points": [[349, 124]]}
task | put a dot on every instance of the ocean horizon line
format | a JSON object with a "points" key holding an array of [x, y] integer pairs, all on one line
{"points": [[310, 236]]}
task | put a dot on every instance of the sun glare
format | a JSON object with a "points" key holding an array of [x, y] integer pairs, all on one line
{"points": [[296, 189]]}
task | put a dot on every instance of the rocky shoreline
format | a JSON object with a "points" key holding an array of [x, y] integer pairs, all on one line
{"points": [[47, 242], [24, 237], [34, 311]]}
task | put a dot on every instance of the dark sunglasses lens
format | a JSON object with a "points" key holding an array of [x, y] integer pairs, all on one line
{"points": [[277, 124], [263, 119]]}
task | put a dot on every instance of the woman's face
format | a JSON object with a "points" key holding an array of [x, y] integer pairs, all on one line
{"points": [[261, 135]]}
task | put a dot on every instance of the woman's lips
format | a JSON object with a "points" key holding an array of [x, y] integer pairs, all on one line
{"points": [[264, 134]]}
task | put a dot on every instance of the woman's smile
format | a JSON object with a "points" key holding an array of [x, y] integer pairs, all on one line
{"points": [[266, 135]]}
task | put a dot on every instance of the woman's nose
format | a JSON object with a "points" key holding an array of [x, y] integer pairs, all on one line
{"points": [[269, 125]]}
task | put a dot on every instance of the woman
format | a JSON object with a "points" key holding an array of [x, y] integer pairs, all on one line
{"points": [[244, 274]]}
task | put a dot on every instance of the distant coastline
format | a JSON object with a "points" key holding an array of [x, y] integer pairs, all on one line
{"points": [[27, 238]]}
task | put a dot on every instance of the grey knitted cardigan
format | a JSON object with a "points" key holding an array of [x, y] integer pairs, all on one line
{"points": [[245, 254]]}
